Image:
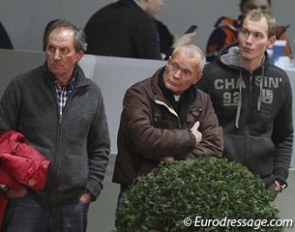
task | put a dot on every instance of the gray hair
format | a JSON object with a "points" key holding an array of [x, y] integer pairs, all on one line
{"points": [[192, 51], [79, 35]]}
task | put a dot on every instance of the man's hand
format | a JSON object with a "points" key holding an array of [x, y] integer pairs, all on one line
{"points": [[196, 132], [183, 39], [11, 193], [279, 186], [275, 188], [86, 198], [168, 159]]}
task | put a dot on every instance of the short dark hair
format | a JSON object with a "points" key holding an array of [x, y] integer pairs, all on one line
{"points": [[79, 39], [244, 1]]}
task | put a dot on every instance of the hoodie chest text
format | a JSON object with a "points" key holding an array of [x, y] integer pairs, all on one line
{"points": [[230, 88]]}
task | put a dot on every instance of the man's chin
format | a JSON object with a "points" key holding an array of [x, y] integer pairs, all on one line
{"points": [[55, 70], [246, 56]]}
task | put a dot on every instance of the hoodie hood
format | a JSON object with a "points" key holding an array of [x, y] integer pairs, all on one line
{"points": [[229, 56]]}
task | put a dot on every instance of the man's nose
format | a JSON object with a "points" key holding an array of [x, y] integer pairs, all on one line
{"points": [[249, 38], [177, 73], [56, 54]]}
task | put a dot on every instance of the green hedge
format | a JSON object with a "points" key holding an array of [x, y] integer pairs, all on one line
{"points": [[208, 188]]}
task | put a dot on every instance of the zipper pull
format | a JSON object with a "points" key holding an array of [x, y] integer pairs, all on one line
{"points": [[60, 117]]}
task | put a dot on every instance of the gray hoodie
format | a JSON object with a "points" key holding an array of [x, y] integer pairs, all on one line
{"points": [[255, 111]]}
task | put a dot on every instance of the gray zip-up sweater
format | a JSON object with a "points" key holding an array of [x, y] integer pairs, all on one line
{"points": [[255, 111], [76, 142]]}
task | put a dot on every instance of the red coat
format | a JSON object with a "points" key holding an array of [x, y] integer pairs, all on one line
{"points": [[20, 165]]}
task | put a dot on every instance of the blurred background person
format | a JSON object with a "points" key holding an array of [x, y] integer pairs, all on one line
{"points": [[128, 28], [227, 29], [168, 41], [4, 38]]}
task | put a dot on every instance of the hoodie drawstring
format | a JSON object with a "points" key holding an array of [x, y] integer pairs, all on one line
{"points": [[260, 90], [259, 100], [240, 100]]}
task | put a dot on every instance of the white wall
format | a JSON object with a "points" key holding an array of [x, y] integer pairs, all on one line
{"points": [[113, 74], [25, 19]]}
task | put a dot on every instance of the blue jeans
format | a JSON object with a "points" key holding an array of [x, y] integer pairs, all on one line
{"points": [[120, 201], [121, 198], [25, 214]]}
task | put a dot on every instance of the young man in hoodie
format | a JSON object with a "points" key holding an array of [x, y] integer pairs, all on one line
{"points": [[227, 29], [253, 101]]}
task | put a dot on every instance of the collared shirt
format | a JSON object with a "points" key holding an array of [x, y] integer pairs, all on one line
{"points": [[63, 93]]}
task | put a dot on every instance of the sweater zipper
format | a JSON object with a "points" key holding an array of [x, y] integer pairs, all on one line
{"points": [[60, 116], [57, 153], [58, 142], [57, 156], [56, 166]]}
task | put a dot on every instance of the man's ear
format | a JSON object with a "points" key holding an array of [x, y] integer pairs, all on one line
{"points": [[79, 55], [271, 42], [168, 61], [198, 77]]}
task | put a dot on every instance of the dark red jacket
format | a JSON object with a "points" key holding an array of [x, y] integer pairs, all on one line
{"points": [[20, 165]]}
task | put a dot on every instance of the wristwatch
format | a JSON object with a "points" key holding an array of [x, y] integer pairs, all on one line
{"points": [[4, 188], [283, 186]]}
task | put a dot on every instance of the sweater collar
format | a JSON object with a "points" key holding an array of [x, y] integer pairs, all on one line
{"points": [[78, 76], [186, 98]]}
